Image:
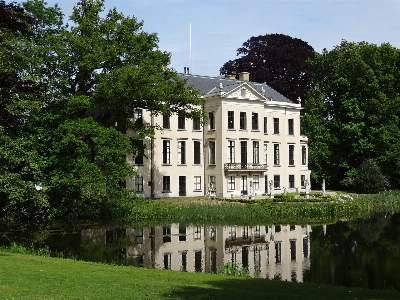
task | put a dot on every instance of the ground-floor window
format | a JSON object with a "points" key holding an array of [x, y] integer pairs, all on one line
{"points": [[139, 183], [291, 181], [303, 181], [166, 183], [256, 182], [197, 183], [231, 182], [277, 181]]}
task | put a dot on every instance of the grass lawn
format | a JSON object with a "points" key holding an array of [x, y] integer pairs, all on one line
{"points": [[34, 277]]}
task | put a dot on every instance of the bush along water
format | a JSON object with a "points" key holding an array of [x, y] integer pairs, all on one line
{"points": [[314, 209]]}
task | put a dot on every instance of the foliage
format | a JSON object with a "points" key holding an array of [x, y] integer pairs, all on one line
{"points": [[276, 59], [76, 88], [352, 111], [230, 269], [369, 178], [14, 248]]}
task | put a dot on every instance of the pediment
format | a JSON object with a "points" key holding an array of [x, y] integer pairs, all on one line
{"points": [[244, 91]]}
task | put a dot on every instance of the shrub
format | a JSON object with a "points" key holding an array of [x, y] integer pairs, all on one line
{"points": [[369, 178]]}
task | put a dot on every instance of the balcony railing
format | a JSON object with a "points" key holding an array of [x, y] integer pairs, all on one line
{"points": [[245, 166]]}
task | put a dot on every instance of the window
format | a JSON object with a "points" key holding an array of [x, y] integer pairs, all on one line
{"points": [[231, 183], [256, 152], [166, 152], [231, 119], [291, 181], [139, 153], [254, 121], [291, 126], [256, 182], [305, 247], [167, 261], [182, 233], [265, 125], [183, 261], [245, 232], [243, 121], [277, 181], [276, 125], [266, 153], [166, 183], [166, 122], [303, 155], [181, 152], [266, 184], [166, 234], [138, 116], [257, 232], [139, 183], [139, 236], [293, 250], [232, 233], [197, 183], [211, 120], [211, 145], [196, 124], [276, 154], [291, 155], [212, 182], [303, 181], [197, 156], [243, 154], [198, 264], [197, 232], [181, 122], [278, 252], [231, 152]]}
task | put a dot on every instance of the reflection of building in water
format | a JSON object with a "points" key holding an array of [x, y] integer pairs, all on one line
{"points": [[266, 251]]}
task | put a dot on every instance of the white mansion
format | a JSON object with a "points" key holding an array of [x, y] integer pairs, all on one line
{"points": [[251, 144]]}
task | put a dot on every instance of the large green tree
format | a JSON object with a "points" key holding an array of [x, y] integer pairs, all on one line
{"points": [[352, 111], [92, 74], [277, 59]]}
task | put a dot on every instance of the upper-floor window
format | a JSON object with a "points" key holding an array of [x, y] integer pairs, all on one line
{"points": [[139, 153], [303, 155], [291, 126], [166, 151], [181, 122], [265, 125], [181, 152], [254, 121], [231, 152], [231, 119], [138, 116], [197, 153], [266, 153], [166, 122], [291, 155], [211, 150], [276, 125], [196, 124], [256, 152], [276, 154], [211, 120], [243, 121]]}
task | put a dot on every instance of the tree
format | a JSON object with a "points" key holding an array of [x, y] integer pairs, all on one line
{"points": [[92, 75], [276, 59], [352, 111], [369, 178]]}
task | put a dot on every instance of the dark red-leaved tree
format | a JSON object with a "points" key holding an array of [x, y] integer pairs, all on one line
{"points": [[276, 59]]}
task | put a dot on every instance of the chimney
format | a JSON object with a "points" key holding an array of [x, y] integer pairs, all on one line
{"points": [[230, 76], [244, 76]]}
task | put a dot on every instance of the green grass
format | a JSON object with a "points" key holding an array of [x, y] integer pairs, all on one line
{"points": [[33, 277]]}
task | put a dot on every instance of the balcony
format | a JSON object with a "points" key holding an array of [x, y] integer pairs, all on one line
{"points": [[245, 166]]}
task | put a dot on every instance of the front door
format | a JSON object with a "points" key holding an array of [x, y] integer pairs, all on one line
{"points": [[243, 185], [182, 185]]}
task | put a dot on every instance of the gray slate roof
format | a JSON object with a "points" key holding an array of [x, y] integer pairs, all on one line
{"points": [[210, 85]]}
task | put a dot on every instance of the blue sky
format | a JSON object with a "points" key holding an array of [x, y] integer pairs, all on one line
{"points": [[219, 27]]}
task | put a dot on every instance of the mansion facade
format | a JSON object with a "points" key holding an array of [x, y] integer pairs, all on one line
{"points": [[250, 145]]}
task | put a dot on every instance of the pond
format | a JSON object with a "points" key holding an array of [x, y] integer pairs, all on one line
{"points": [[362, 252]]}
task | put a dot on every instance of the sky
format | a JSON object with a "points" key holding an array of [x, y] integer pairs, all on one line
{"points": [[220, 27]]}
